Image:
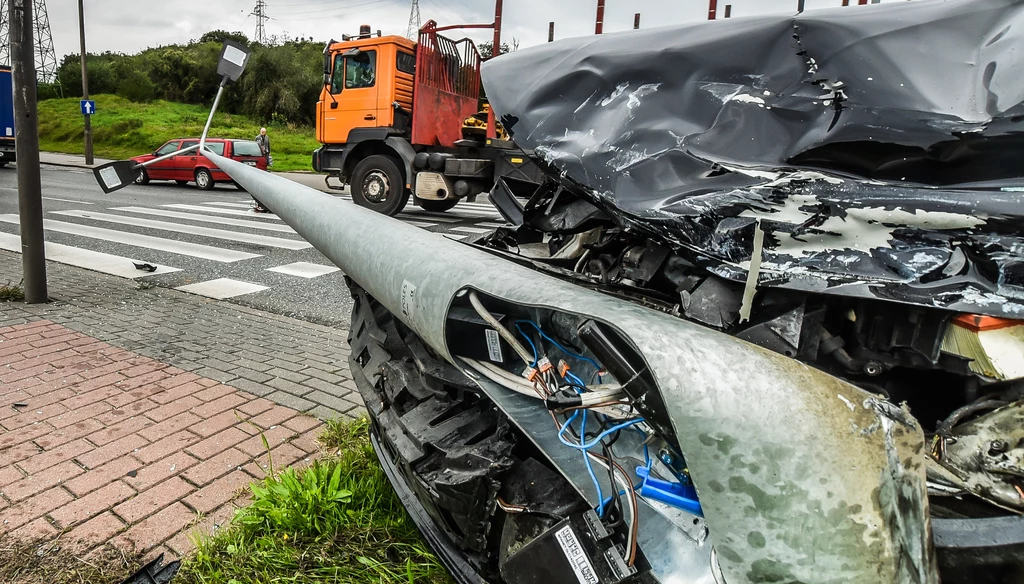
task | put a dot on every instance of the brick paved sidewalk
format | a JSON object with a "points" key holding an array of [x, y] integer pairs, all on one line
{"points": [[132, 430], [294, 363], [100, 444]]}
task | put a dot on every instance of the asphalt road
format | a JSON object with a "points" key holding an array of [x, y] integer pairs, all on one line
{"points": [[203, 236]]}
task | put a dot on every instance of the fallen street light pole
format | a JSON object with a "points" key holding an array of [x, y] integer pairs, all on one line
{"points": [[30, 195], [119, 174]]}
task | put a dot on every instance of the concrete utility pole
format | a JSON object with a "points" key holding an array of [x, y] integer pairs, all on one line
{"points": [[85, 84], [30, 194]]}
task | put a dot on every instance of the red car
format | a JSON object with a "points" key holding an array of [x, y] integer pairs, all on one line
{"points": [[194, 167]]}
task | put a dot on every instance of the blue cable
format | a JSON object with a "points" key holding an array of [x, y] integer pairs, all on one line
{"points": [[569, 375], [600, 437], [555, 343], [530, 342], [590, 467]]}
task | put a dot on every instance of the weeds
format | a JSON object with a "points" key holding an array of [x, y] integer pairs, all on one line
{"points": [[337, 520], [49, 563], [9, 293]]}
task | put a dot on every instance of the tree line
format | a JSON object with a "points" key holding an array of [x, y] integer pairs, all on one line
{"points": [[282, 81]]}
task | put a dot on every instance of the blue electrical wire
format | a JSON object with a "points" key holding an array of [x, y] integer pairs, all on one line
{"points": [[590, 467], [600, 437], [569, 375], [555, 343], [530, 342]]}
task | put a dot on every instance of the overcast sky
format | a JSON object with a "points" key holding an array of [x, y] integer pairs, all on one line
{"points": [[131, 25]]}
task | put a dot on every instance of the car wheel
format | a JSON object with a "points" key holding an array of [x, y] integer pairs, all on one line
{"points": [[377, 184], [181, 183], [143, 178], [437, 206], [204, 180]]}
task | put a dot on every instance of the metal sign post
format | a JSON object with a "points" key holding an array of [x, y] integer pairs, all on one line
{"points": [[86, 111], [30, 194]]}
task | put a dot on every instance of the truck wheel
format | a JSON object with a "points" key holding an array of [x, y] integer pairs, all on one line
{"points": [[204, 180], [143, 178], [377, 184], [437, 206]]}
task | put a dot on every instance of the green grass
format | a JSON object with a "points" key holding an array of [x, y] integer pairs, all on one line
{"points": [[12, 292], [337, 520], [122, 129]]}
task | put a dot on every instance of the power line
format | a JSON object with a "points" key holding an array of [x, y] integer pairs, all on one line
{"points": [[415, 22], [45, 57]]}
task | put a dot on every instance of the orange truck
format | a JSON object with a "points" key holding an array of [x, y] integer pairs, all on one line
{"points": [[400, 119]]}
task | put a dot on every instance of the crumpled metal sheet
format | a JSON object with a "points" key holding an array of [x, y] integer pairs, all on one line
{"points": [[874, 145]]}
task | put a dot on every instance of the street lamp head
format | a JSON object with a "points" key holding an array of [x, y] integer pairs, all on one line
{"points": [[114, 176], [233, 59]]}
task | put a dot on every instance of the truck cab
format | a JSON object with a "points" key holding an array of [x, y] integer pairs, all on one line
{"points": [[392, 118]]}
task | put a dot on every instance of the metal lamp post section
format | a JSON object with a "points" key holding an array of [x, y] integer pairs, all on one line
{"points": [[30, 195], [85, 85], [117, 175]]}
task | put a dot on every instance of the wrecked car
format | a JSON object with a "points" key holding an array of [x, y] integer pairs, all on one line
{"points": [[765, 323]]}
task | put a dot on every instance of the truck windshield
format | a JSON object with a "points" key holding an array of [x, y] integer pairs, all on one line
{"points": [[355, 72], [246, 148]]}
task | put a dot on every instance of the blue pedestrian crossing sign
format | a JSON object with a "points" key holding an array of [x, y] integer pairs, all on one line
{"points": [[88, 107]]}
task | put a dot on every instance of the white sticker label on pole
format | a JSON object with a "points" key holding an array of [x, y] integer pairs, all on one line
{"points": [[576, 556], [110, 178], [494, 345], [408, 298], [235, 55], [10, 131]]}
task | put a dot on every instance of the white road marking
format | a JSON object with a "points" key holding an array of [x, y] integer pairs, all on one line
{"points": [[304, 270], [220, 204], [472, 230], [68, 201], [222, 288], [492, 225], [208, 219], [207, 252], [279, 242], [88, 259], [239, 212], [418, 223], [453, 236]]}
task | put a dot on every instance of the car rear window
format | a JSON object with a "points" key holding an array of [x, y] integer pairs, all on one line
{"points": [[247, 148], [215, 147]]}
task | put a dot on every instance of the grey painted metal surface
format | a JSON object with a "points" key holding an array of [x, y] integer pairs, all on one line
{"points": [[802, 476]]}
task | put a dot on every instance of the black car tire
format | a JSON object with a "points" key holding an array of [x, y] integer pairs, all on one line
{"points": [[204, 180], [437, 206], [377, 184], [181, 183], [143, 178]]}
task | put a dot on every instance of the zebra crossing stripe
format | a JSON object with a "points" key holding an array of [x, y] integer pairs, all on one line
{"points": [[207, 219], [237, 236], [238, 212], [196, 250], [86, 258], [239, 205], [222, 288]]}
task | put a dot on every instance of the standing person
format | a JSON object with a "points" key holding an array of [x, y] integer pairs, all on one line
{"points": [[263, 141]]}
